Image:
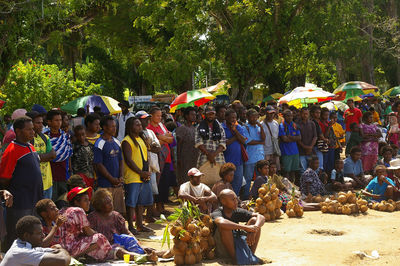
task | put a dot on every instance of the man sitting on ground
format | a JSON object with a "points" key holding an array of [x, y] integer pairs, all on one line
{"points": [[197, 192], [27, 250], [228, 219]]}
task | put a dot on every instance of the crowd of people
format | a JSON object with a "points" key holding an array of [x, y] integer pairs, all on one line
{"points": [[71, 185]]}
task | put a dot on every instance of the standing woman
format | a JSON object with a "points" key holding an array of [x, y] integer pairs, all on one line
{"points": [[370, 134], [136, 173], [187, 154], [167, 177], [320, 147]]}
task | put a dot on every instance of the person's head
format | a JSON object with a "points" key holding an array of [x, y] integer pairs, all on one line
{"points": [[367, 117], [242, 114], [230, 117], [80, 197], [228, 199], [392, 119], [236, 105], [75, 181], [133, 127], [354, 127], [339, 165], [156, 115], [387, 153], [324, 114], [380, 171], [171, 125], [144, 118], [81, 112], [210, 113], [350, 103], [124, 106], [194, 175], [252, 116], [227, 171], [92, 123], [355, 153], [54, 119], [272, 168], [23, 128], [262, 167], [47, 210], [315, 112], [313, 162], [108, 125], [269, 113], [102, 201], [220, 109], [29, 229], [304, 113], [333, 117], [65, 120], [80, 133], [295, 112], [288, 116], [395, 149], [37, 120], [189, 114]]}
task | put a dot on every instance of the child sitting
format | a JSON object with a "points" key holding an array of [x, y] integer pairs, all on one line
{"points": [[355, 138], [226, 172], [262, 167], [310, 180], [337, 178], [380, 188]]}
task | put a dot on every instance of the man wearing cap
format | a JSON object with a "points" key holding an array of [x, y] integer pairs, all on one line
{"points": [[46, 153], [10, 134], [20, 174], [271, 130], [122, 117], [197, 192]]}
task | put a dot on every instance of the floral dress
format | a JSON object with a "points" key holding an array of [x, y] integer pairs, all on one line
{"points": [[316, 186], [369, 147], [75, 241]]}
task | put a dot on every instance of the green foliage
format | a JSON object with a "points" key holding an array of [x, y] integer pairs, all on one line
{"points": [[34, 83]]}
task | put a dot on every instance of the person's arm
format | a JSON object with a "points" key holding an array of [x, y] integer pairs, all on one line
{"points": [[104, 172], [239, 136], [47, 240], [57, 258], [209, 196], [182, 194], [127, 151], [88, 231], [48, 156], [369, 194], [165, 139], [231, 140], [260, 219], [7, 197]]}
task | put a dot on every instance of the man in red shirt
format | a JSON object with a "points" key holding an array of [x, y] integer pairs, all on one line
{"points": [[351, 115]]}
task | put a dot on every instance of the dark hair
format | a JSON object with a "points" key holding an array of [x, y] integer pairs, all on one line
{"points": [[25, 225], [229, 112], [219, 107], [90, 118], [354, 150], [252, 112], [97, 109], [81, 112], [19, 123], [154, 109], [170, 125], [78, 197], [313, 159], [332, 114], [324, 110], [226, 168], [304, 109], [75, 181], [42, 206], [387, 148], [366, 115], [314, 108], [104, 120], [78, 128], [293, 108], [52, 113], [337, 161], [261, 163], [187, 111], [128, 124]]}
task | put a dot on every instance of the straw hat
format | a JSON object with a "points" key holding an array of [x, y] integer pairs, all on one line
{"points": [[394, 164]]}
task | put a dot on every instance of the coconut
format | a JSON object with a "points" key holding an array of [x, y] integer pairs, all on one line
{"points": [[196, 248], [261, 209], [354, 208], [398, 205], [278, 204], [339, 210], [331, 208], [318, 198], [309, 198], [346, 210], [203, 244], [296, 207], [267, 198], [182, 246], [272, 214], [382, 207], [176, 251], [267, 216], [289, 205], [290, 213], [185, 237], [375, 205], [277, 213], [342, 199], [390, 207], [259, 201], [324, 209], [190, 259], [179, 259], [299, 213], [191, 228], [270, 206], [211, 254], [262, 191], [363, 208], [274, 196], [205, 231]]}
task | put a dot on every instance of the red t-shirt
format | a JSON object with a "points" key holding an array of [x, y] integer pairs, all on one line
{"points": [[353, 116], [159, 131]]}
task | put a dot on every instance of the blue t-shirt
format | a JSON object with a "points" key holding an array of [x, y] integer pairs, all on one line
{"points": [[233, 153], [351, 167], [288, 148], [377, 189], [108, 153], [255, 152]]}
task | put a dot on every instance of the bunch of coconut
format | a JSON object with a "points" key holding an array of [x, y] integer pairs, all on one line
{"points": [[386, 206], [268, 203], [194, 241], [293, 208], [344, 203]]}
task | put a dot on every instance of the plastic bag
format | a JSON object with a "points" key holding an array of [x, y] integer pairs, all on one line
{"points": [[130, 243], [244, 255]]}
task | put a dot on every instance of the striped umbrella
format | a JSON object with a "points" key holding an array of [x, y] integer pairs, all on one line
{"points": [[393, 92], [107, 104], [352, 89], [306, 95], [191, 98]]}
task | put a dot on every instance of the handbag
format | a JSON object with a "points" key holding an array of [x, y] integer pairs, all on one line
{"points": [[322, 145], [275, 142]]}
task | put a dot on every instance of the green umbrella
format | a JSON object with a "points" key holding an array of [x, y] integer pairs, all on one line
{"points": [[392, 92]]}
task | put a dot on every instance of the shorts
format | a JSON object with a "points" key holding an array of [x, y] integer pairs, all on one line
{"points": [[290, 163], [138, 194], [118, 198]]}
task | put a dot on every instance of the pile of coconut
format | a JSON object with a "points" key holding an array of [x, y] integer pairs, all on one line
{"points": [[315, 199], [386, 206], [268, 203], [293, 208], [344, 203]]}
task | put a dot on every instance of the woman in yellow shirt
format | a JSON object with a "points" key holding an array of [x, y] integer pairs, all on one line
{"points": [[136, 173]]}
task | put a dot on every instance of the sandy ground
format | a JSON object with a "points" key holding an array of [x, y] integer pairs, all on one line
{"points": [[323, 239]]}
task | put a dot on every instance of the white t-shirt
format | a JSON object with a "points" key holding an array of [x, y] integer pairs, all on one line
{"points": [[274, 126], [22, 253], [154, 141], [121, 125], [198, 191]]}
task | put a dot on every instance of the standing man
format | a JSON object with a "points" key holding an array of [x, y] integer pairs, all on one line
{"points": [[271, 130], [122, 117], [308, 139], [46, 153], [351, 115], [20, 174], [108, 163]]}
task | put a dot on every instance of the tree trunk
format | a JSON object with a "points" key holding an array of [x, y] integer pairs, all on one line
{"points": [[340, 69]]}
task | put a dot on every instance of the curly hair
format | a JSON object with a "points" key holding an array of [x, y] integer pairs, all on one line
{"points": [[42, 206], [226, 168], [25, 225], [98, 198]]}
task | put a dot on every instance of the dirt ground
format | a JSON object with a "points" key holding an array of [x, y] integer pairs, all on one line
{"points": [[323, 239]]}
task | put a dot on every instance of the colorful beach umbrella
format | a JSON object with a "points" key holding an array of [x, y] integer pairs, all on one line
{"points": [[353, 89], [306, 95], [191, 98], [393, 92], [335, 105], [273, 97], [107, 104]]}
